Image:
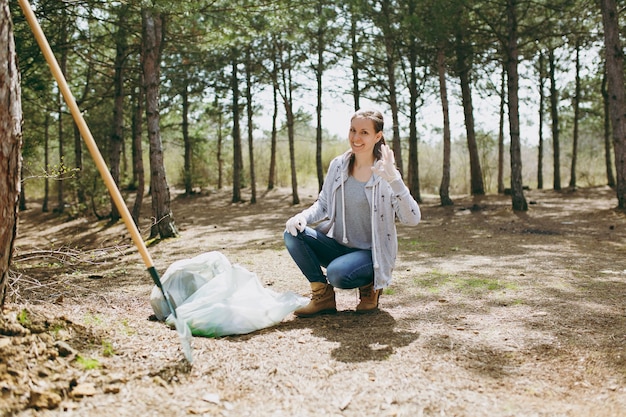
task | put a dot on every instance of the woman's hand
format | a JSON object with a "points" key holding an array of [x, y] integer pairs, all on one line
{"points": [[386, 166], [295, 224]]}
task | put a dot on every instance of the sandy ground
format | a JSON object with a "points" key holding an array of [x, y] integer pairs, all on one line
{"points": [[491, 313]]}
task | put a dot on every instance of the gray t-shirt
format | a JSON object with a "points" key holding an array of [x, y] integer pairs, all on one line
{"points": [[358, 216]]}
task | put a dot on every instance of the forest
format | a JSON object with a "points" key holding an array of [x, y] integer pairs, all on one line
{"points": [[240, 93], [216, 118]]}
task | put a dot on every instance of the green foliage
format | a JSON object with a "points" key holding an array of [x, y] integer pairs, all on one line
{"points": [[23, 318], [88, 364], [389, 291], [57, 328], [204, 38], [205, 163], [107, 349]]}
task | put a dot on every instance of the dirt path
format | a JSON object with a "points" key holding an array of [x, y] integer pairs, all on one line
{"points": [[491, 313]]}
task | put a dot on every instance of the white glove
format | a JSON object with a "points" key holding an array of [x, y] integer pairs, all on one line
{"points": [[297, 222], [386, 166]]}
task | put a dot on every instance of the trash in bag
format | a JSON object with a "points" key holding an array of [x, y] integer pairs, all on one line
{"points": [[216, 298], [184, 277]]}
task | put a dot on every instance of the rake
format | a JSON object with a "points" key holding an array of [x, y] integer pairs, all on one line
{"points": [[181, 327]]}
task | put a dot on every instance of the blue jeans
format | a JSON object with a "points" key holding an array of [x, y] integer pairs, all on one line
{"points": [[346, 267]]}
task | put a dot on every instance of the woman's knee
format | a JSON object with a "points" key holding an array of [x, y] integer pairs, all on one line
{"points": [[336, 280], [348, 275], [338, 276], [296, 244], [290, 239]]}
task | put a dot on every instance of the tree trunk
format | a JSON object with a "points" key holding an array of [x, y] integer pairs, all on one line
{"points": [[617, 93], [138, 170], [46, 163], [292, 153], [10, 145], [115, 150], [554, 112], [517, 192], [60, 208], [542, 100], [237, 155], [389, 40], [188, 152], [250, 115], [152, 28], [291, 137], [78, 165], [393, 103], [501, 131], [476, 175], [22, 204], [319, 72], [354, 49], [286, 91], [572, 178], [608, 162], [220, 140], [464, 70], [444, 189], [413, 163], [63, 50], [271, 178], [63, 66]]}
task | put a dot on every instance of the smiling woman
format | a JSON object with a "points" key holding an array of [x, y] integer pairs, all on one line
{"points": [[356, 241]]}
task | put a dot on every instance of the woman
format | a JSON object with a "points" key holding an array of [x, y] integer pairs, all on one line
{"points": [[361, 197]]}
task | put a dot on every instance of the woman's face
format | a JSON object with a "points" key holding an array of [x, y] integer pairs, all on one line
{"points": [[363, 136]]}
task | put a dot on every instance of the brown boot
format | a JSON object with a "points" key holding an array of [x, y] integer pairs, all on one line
{"points": [[369, 299], [322, 301]]}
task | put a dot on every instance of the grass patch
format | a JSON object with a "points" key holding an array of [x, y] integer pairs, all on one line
{"points": [[107, 349], [476, 284], [418, 245], [94, 320], [127, 328], [87, 363], [389, 291], [435, 281], [23, 318], [56, 329]]}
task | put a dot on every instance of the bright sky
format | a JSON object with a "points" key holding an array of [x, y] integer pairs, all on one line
{"points": [[338, 108]]}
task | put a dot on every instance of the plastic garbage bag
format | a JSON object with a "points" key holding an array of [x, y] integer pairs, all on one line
{"points": [[184, 277], [216, 298]]}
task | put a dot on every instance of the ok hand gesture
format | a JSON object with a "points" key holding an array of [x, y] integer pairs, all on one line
{"points": [[386, 166]]}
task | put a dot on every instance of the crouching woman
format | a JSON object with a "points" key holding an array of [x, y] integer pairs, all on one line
{"points": [[356, 242]]}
